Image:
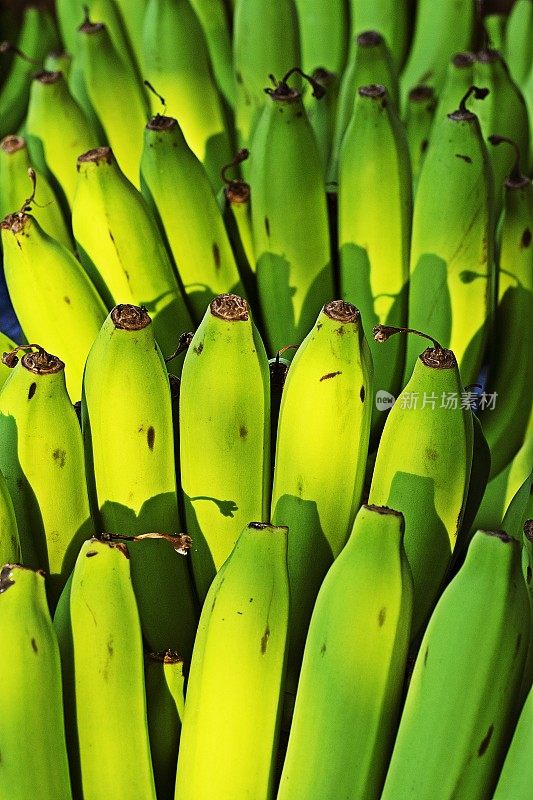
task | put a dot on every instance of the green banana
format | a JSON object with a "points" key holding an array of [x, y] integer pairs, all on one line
{"points": [[503, 113], [120, 246], [129, 452], [69, 313], [374, 234], [225, 436], [214, 19], [389, 18], [106, 78], [430, 422], [32, 734], [323, 29], [452, 276], [322, 115], [353, 668], [265, 41], [494, 27], [106, 678], [165, 703], [70, 15], [176, 61], [289, 219], [421, 104], [510, 376], [518, 38], [234, 694], [458, 79], [236, 210], [37, 36], [177, 188], [328, 390], [370, 62], [132, 13], [109, 12], [471, 727], [10, 552], [429, 54], [14, 165], [516, 775], [58, 130], [41, 458], [517, 510]]}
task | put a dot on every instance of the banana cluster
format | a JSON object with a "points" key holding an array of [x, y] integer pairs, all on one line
{"points": [[253, 535]]}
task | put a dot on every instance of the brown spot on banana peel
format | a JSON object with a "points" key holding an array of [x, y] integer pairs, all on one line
{"points": [[517, 646], [32, 390], [216, 255], [426, 656], [243, 431], [150, 437], [525, 241], [329, 375], [323, 649], [59, 457], [264, 640], [486, 741], [34, 646], [198, 349], [267, 226], [464, 158], [382, 616], [362, 394]]}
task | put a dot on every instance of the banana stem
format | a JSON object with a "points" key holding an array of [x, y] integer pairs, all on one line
{"points": [[10, 359], [242, 155], [479, 94], [160, 97], [8, 47], [515, 175], [384, 332], [183, 345], [282, 89]]}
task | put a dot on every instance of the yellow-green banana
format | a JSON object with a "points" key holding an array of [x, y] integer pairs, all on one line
{"points": [[375, 209], [121, 249], [423, 468], [389, 18], [213, 15], [421, 102], [318, 479], [32, 734], [453, 732], [177, 188], [10, 552], [69, 311], [458, 79], [518, 38], [234, 694], [350, 688], [224, 438], [516, 776], [323, 29], [289, 219], [322, 115], [236, 209], [451, 287]]}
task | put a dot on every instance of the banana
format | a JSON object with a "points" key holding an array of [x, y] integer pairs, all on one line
{"points": [[213, 16], [229, 737], [128, 435], [106, 678], [517, 510], [323, 31], [289, 219], [389, 18], [177, 188], [236, 210], [132, 13], [176, 62], [165, 703], [225, 437], [10, 552], [322, 115], [421, 103], [494, 28], [14, 165], [451, 288], [41, 458], [57, 130], [353, 669], [328, 390], [429, 423], [265, 41], [504, 113], [518, 37], [516, 775], [472, 727], [374, 234], [32, 734], [459, 77], [120, 246], [429, 54], [369, 62], [106, 78], [37, 36], [69, 312], [510, 376]]}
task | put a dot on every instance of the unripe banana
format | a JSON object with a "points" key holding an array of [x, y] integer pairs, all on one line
{"points": [[323, 31], [224, 439], [69, 313], [234, 695], [121, 249], [429, 423], [213, 16], [106, 677], [421, 103], [471, 727], [10, 552], [458, 79], [322, 115], [236, 209], [389, 18], [516, 776], [349, 693], [58, 130], [107, 77], [289, 219], [518, 38], [32, 734], [429, 54], [14, 165], [265, 41], [375, 232], [128, 434], [177, 189], [176, 61], [451, 289], [517, 510], [328, 390]]}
